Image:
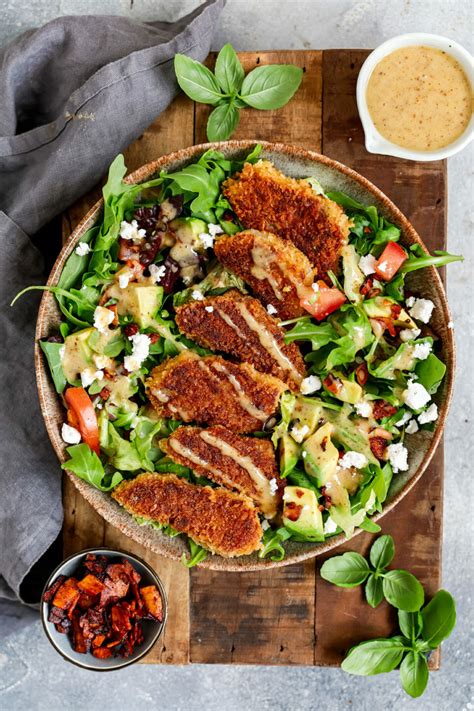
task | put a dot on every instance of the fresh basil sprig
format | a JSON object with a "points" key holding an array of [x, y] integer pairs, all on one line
{"points": [[229, 90], [399, 587]]}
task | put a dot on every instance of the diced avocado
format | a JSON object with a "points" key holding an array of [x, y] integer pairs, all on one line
{"points": [[348, 391], [308, 412], [187, 229], [141, 301], [347, 520], [402, 359], [301, 514], [77, 354], [348, 434], [381, 307], [289, 451], [320, 456], [353, 277]]}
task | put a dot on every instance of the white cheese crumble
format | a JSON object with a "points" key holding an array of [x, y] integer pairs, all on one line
{"points": [[421, 309], [206, 240], [273, 486], [102, 361], [298, 433], [157, 272], [450, 324], [410, 301], [70, 435], [409, 334], [412, 427], [82, 249], [214, 229], [421, 351], [88, 376], [398, 457], [363, 408], [209, 309], [310, 384], [367, 264], [197, 295], [140, 350], [416, 396], [129, 230], [271, 309], [429, 415], [315, 287], [353, 459], [103, 318], [265, 525], [124, 279], [330, 526], [406, 418]]}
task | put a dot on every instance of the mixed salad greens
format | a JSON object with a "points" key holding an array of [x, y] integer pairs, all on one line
{"points": [[372, 359]]}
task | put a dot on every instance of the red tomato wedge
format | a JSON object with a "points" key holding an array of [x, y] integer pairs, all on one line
{"points": [[390, 261], [81, 411], [323, 302]]}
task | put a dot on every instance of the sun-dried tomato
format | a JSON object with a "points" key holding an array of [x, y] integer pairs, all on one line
{"points": [[378, 445], [382, 408]]}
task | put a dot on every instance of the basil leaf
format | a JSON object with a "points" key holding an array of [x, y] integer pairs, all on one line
{"points": [[410, 623], [222, 122], [374, 591], [196, 554], [403, 590], [414, 674], [370, 526], [382, 552], [228, 70], [271, 87], [87, 466], [376, 656], [52, 352], [196, 80], [439, 618], [346, 571], [430, 373]]}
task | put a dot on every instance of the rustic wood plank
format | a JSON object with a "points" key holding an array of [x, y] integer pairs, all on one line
{"points": [[262, 617], [342, 616], [299, 122]]}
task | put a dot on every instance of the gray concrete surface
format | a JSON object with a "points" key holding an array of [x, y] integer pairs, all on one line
{"points": [[32, 676]]}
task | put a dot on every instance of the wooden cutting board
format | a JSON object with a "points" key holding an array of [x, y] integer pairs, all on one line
{"points": [[287, 615]]}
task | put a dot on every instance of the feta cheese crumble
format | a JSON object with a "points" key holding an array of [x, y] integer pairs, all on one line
{"points": [[265, 525], [124, 279], [353, 459], [157, 272], [310, 384], [82, 249], [421, 309], [206, 240], [363, 408], [70, 435], [410, 301], [298, 433], [209, 309], [102, 361], [273, 486], [214, 229], [102, 319], [422, 351], [412, 427], [409, 334], [398, 457], [367, 264], [129, 230], [406, 418], [429, 415], [197, 295], [330, 526], [271, 309], [140, 350], [415, 396], [88, 376]]}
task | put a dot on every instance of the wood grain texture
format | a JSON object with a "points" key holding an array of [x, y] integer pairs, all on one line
{"points": [[287, 615]]}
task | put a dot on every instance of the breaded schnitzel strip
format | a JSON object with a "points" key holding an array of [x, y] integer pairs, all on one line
{"points": [[246, 464], [214, 391], [265, 199], [217, 519], [239, 325], [278, 273]]}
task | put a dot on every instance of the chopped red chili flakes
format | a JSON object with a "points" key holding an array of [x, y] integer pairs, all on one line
{"points": [[102, 609]]}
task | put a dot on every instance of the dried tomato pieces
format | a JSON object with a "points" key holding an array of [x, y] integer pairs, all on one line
{"points": [[382, 408]]}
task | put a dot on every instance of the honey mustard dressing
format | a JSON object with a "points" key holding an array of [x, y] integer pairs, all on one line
{"points": [[419, 98]]}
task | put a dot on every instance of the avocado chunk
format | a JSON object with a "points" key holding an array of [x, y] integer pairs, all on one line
{"points": [[348, 434], [320, 455], [353, 277], [77, 354], [346, 390], [289, 451], [301, 514], [187, 229], [381, 307], [141, 301], [308, 412]]}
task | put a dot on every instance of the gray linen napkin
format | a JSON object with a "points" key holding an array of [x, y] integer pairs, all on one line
{"points": [[73, 94]]}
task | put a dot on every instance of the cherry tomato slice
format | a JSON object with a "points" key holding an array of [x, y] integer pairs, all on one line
{"points": [[83, 413], [390, 261], [323, 302]]}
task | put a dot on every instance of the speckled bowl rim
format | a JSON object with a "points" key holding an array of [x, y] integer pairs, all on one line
{"points": [[106, 508], [95, 663]]}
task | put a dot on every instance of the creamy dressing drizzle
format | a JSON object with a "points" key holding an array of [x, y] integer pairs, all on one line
{"points": [[244, 400], [268, 501], [263, 258], [196, 459]]}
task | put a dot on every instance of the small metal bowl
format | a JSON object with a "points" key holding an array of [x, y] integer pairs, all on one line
{"points": [[151, 630]]}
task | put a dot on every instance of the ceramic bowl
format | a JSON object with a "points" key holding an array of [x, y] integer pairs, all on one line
{"points": [[374, 141], [295, 162], [151, 630]]}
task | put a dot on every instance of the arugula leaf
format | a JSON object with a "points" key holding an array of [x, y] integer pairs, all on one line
{"points": [[439, 618], [419, 259], [196, 554], [273, 543], [376, 656], [346, 571], [228, 70], [307, 330], [196, 80], [403, 590], [382, 552], [222, 121], [52, 352], [374, 590], [271, 86], [87, 466], [414, 674]]}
